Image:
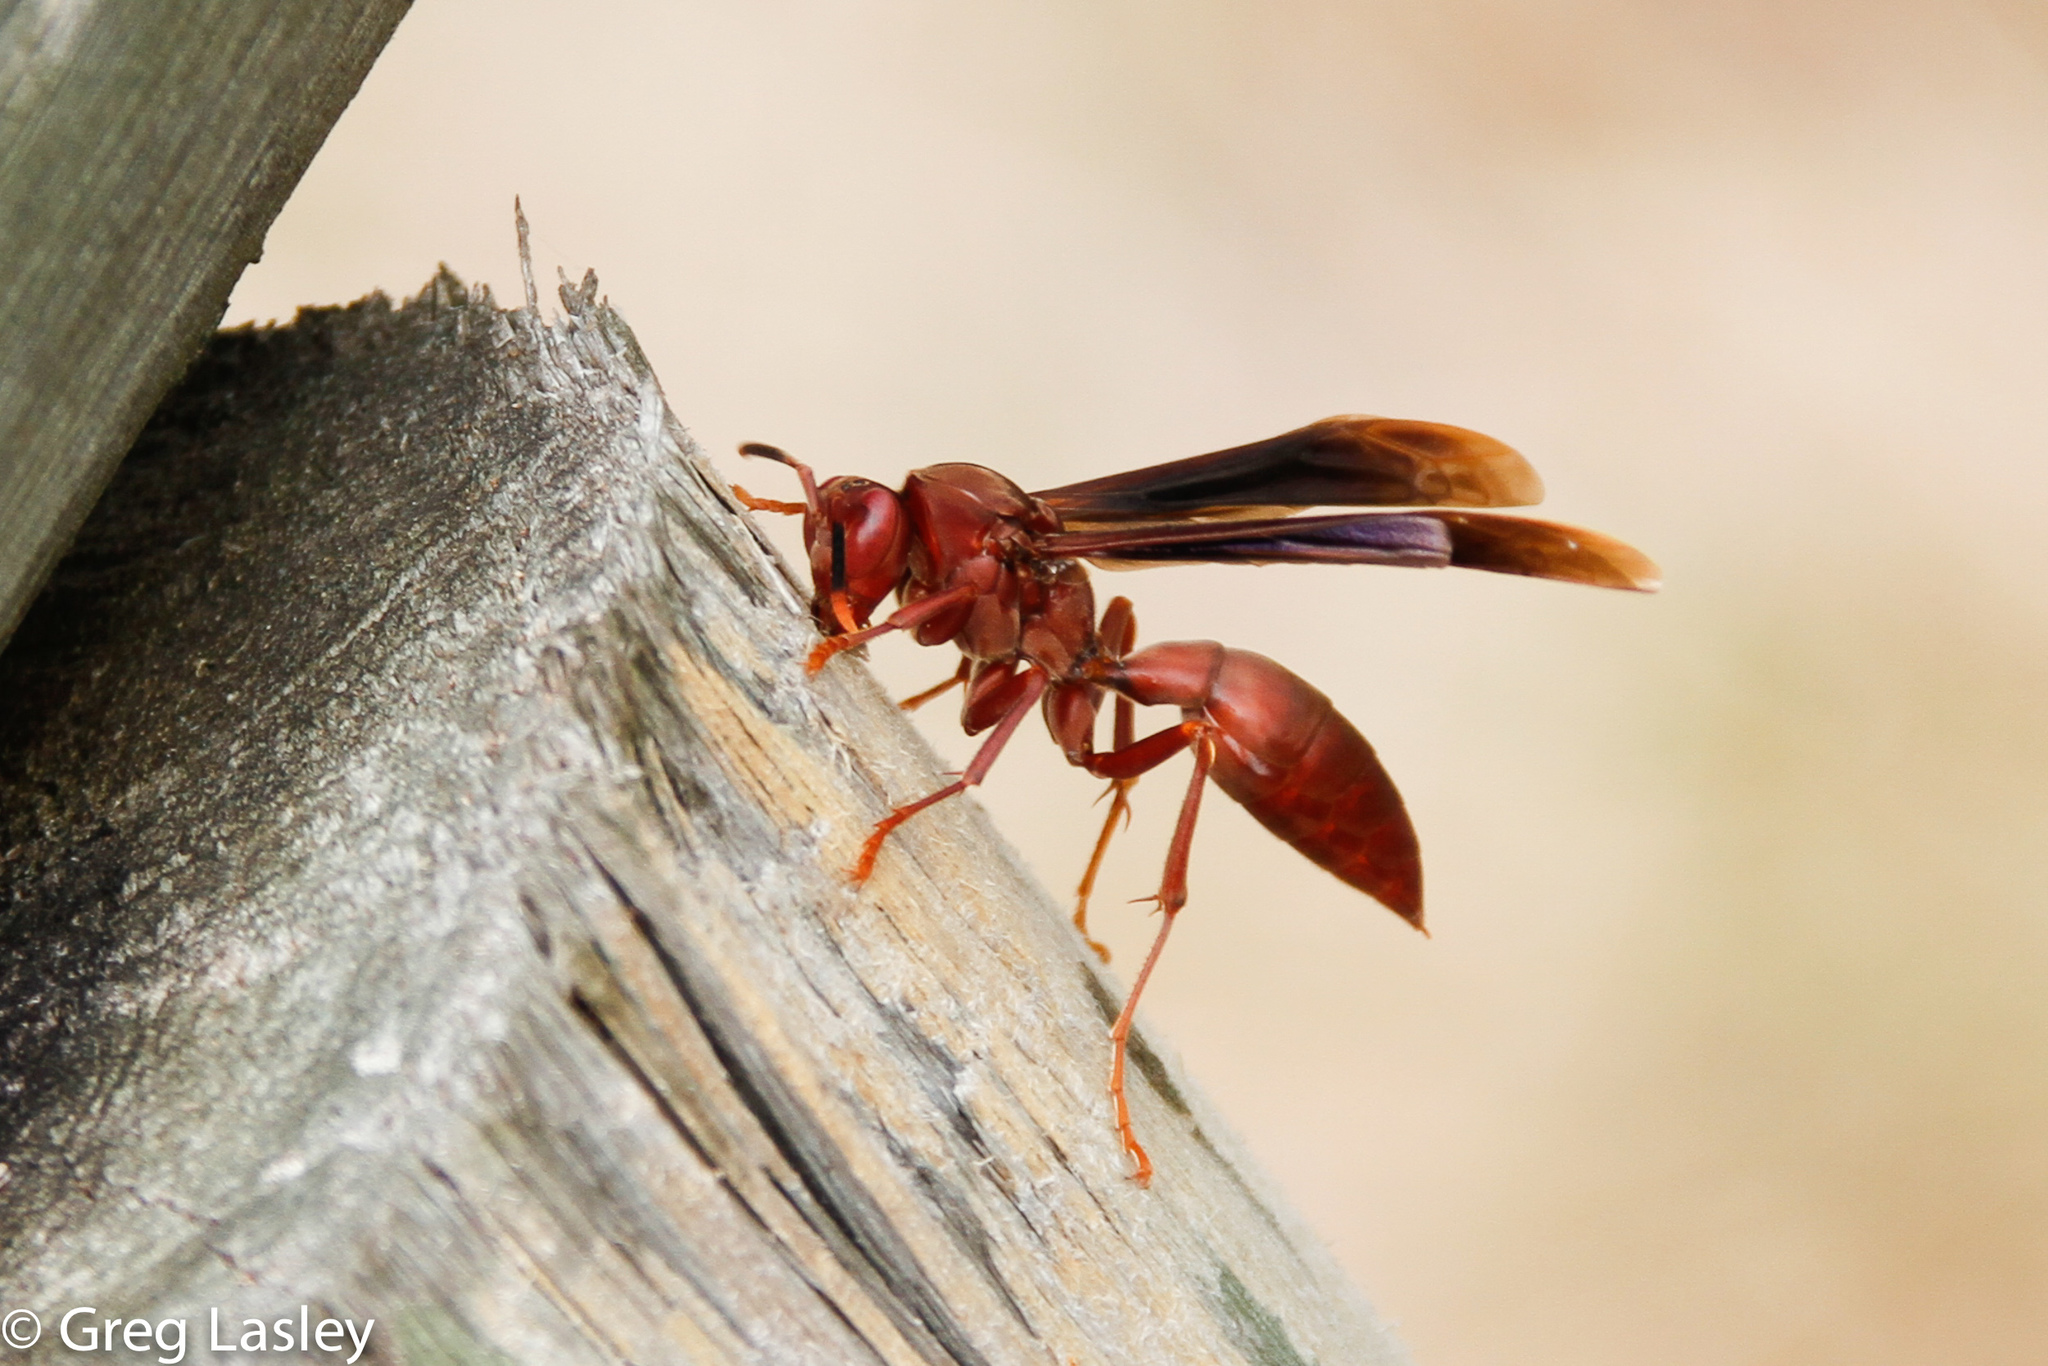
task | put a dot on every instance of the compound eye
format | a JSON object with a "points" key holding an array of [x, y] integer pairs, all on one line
{"points": [[859, 555]]}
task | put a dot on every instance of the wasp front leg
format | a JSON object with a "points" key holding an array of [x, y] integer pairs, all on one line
{"points": [[903, 619]]}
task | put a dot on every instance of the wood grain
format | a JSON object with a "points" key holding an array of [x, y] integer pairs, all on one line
{"points": [[144, 151], [423, 881]]}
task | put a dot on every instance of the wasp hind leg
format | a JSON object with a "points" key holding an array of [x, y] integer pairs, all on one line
{"points": [[1172, 895]]}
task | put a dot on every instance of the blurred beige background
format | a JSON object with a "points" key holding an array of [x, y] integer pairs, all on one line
{"points": [[1732, 1044]]}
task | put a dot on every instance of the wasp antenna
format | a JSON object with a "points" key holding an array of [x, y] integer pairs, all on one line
{"points": [[762, 450]]}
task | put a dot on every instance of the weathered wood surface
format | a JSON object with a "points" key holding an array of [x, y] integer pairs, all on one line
{"points": [[422, 861], [144, 151]]}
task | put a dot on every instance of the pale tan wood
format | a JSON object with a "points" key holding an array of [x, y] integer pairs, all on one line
{"points": [[424, 857]]}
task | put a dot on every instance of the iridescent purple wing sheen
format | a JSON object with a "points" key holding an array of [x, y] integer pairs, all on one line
{"points": [[1498, 543], [1393, 538], [1338, 462]]}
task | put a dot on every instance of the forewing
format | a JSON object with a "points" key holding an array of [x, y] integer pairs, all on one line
{"points": [[1338, 462]]}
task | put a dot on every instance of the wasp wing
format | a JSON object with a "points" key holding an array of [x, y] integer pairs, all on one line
{"points": [[1338, 462], [1393, 538], [1505, 544], [1495, 542]]}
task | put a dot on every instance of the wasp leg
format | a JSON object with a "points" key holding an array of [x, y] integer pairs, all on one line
{"points": [[1120, 805], [1173, 894], [1118, 632], [900, 620], [1030, 685], [916, 700]]}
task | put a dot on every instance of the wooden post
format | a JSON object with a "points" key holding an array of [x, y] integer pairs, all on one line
{"points": [[144, 151], [422, 858]]}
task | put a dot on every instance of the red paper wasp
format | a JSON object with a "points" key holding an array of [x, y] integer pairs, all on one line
{"points": [[977, 562]]}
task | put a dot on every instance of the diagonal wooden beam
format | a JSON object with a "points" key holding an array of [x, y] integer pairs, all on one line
{"points": [[144, 151], [421, 857]]}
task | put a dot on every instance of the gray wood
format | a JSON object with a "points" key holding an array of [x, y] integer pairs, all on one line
{"points": [[144, 151], [422, 859]]}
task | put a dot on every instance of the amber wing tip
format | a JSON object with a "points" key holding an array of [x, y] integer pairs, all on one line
{"points": [[1637, 571]]}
